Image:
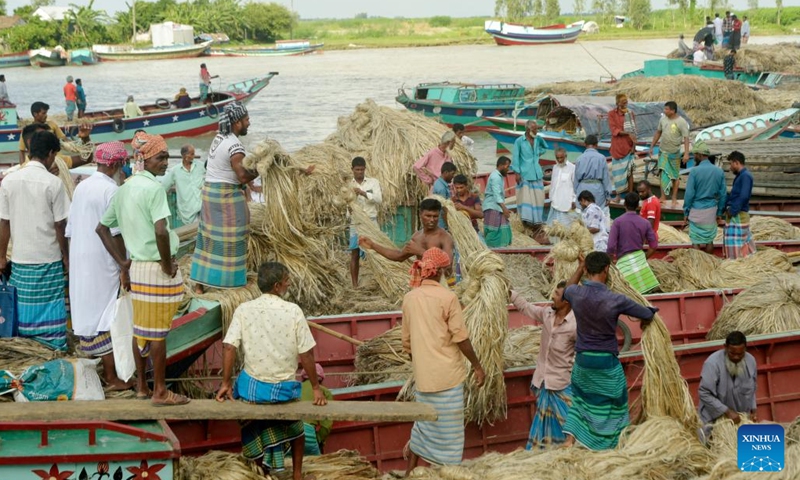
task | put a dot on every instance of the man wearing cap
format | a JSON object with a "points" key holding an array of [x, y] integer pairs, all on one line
{"points": [[71, 97], [529, 176], [95, 278], [429, 167], [704, 200], [435, 336], [140, 211]]}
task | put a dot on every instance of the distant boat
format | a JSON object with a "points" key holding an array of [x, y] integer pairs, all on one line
{"points": [[18, 59], [83, 56], [664, 67], [44, 57], [515, 34], [109, 53], [282, 48]]}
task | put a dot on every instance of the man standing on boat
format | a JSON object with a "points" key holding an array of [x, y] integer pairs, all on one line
{"points": [[673, 133], [95, 278], [205, 82], [34, 207], [429, 167], [435, 336], [368, 197], [704, 200], [496, 228], [629, 233], [737, 238], [3, 90], [591, 173], [39, 113], [622, 124], [529, 176], [140, 211], [562, 191], [80, 98], [187, 178], [70, 97], [650, 206]]}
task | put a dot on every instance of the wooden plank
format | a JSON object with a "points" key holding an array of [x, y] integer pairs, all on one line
{"points": [[115, 410]]}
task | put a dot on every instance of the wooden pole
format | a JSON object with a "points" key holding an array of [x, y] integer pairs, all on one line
{"points": [[334, 333]]}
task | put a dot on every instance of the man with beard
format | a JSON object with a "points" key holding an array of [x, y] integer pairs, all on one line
{"points": [[728, 383]]}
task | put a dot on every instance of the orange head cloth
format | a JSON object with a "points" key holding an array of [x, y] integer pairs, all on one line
{"points": [[149, 145], [433, 259]]}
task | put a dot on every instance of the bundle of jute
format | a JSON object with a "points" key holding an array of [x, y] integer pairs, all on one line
{"points": [[382, 359], [391, 141], [669, 235], [519, 234], [17, 354], [780, 57], [695, 266], [528, 276], [745, 272], [391, 276], [341, 465], [772, 228], [522, 346], [573, 241], [216, 465], [668, 275], [770, 306]]}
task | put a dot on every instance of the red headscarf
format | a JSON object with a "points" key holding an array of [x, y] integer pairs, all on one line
{"points": [[110, 153], [432, 260], [148, 145]]}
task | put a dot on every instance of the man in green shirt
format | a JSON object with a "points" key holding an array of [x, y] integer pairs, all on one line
{"points": [[187, 179], [673, 132], [140, 210]]}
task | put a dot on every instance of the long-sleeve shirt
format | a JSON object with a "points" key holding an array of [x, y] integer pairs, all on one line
{"points": [[720, 392], [374, 197], [441, 188], [494, 196], [629, 233], [705, 188], [618, 122], [433, 161], [591, 166], [746, 28], [525, 157], [132, 110], [3, 92], [557, 349], [188, 185], [81, 94], [562, 190], [597, 310], [739, 198], [727, 25]]}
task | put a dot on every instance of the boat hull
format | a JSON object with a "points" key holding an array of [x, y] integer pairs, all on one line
{"points": [[266, 52], [19, 59], [42, 61], [470, 115], [111, 55], [510, 34]]}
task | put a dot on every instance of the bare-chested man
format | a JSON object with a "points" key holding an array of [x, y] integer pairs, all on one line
{"points": [[430, 236]]}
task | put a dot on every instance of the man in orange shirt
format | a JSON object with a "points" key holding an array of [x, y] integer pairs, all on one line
{"points": [[435, 336], [71, 97]]}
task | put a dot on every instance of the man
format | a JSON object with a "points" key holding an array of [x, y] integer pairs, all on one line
{"points": [[441, 187], [550, 383], [435, 336], [704, 200], [529, 176], [95, 278], [704, 39], [69, 161], [729, 64], [698, 57], [591, 173], [496, 228], [33, 214], [626, 242], [594, 219], [70, 97], [562, 191], [736, 33], [599, 410], [131, 109], [468, 143], [205, 82], [81, 98], [4, 89], [271, 334], [622, 124], [39, 112], [140, 211], [429, 167], [717, 29], [727, 29], [683, 50], [368, 197], [745, 30], [316, 431], [673, 132], [187, 179], [182, 99], [737, 238], [728, 384], [651, 207], [467, 202]]}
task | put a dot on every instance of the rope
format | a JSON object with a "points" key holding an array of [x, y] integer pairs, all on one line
{"points": [[598, 62]]}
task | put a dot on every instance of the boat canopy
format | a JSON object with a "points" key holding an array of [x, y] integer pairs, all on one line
{"points": [[447, 92]]}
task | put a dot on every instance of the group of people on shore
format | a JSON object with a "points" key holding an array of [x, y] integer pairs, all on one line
{"points": [[729, 33]]}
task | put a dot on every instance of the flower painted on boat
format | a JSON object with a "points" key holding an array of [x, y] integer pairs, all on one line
{"points": [[102, 471], [145, 472], [53, 474]]}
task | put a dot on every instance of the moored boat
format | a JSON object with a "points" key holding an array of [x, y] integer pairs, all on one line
{"points": [[44, 57], [747, 128], [664, 67], [779, 207], [282, 48], [514, 34], [109, 53], [18, 59], [83, 56]]}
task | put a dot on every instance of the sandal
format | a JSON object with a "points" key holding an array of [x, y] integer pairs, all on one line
{"points": [[173, 399], [144, 396]]}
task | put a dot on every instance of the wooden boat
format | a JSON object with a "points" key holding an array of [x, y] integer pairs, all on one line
{"points": [[746, 128], [664, 67], [108, 53], [83, 56], [515, 34], [779, 207], [18, 59], [282, 48], [44, 57], [158, 118], [468, 103]]}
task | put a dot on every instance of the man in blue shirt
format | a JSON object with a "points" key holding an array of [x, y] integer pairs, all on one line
{"points": [[591, 173], [81, 98], [529, 175], [496, 228], [737, 239], [599, 410], [704, 200], [441, 187]]}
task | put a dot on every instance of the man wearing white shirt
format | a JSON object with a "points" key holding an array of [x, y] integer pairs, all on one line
{"points": [[562, 191], [469, 144], [718, 28], [745, 30], [4, 88], [368, 197]]}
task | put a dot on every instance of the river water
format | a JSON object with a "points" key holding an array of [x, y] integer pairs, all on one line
{"points": [[302, 104]]}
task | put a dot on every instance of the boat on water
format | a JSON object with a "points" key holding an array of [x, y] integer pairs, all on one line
{"points": [[45, 57], [159, 118], [467, 103], [664, 67], [18, 59], [757, 127], [82, 56], [282, 48], [108, 53], [515, 34]]}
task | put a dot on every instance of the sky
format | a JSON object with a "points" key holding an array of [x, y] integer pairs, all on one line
{"points": [[406, 8]]}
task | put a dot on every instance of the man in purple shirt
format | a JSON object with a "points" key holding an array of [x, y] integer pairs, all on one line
{"points": [[626, 245], [599, 410]]}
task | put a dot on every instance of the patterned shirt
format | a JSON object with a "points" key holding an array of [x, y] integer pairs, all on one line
{"points": [[219, 168], [271, 333], [593, 217]]}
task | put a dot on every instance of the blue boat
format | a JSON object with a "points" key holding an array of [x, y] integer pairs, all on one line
{"points": [[18, 59], [82, 56]]}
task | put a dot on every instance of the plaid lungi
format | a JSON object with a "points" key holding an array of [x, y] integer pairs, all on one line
{"points": [[96, 346], [496, 229], [156, 298], [530, 201], [220, 254], [441, 442], [737, 238], [548, 420], [703, 225], [635, 269], [620, 170], [670, 166], [41, 304], [599, 410]]}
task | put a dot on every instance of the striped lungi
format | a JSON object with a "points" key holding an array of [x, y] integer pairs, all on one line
{"points": [[548, 420], [41, 304], [703, 225], [496, 229], [737, 238], [621, 169], [530, 201], [599, 410], [96, 346], [156, 298], [670, 166], [635, 269], [220, 254], [441, 442]]}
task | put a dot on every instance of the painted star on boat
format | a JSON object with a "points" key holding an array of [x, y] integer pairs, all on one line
{"points": [[11, 136], [146, 123], [174, 118]]}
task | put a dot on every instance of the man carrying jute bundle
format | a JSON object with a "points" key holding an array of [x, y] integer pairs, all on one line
{"points": [[672, 132], [435, 336], [738, 239], [704, 200]]}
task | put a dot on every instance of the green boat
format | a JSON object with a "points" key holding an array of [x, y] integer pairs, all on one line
{"points": [[665, 67]]}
